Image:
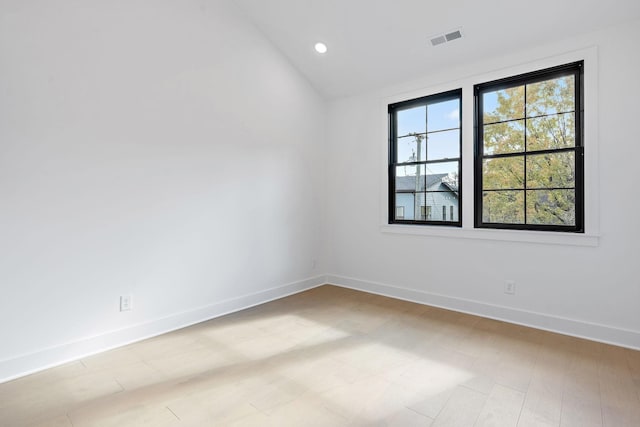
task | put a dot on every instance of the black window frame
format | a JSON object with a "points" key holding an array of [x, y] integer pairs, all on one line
{"points": [[577, 70], [392, 157]]}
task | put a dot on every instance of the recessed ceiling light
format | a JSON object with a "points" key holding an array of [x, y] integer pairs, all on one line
{"points": [[320, 47]]}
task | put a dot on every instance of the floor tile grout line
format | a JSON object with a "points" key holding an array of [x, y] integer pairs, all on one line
{"points": [[174, 414]]}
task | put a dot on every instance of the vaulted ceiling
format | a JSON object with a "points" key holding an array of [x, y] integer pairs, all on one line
{"points": [[373, 43]]}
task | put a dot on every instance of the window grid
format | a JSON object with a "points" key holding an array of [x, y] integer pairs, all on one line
{"points": [[574, 70], [422, 211]]}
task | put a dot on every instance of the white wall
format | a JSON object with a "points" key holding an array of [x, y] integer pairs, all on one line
{"points": [[580, 290], [162, 149]]}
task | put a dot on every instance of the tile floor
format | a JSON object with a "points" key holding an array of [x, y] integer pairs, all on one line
{"points": [[336, 357]]}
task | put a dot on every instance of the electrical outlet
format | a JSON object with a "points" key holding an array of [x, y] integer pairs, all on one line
{"points": [[125, 303], [510, 287]]}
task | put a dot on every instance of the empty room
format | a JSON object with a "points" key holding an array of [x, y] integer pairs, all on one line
{"points": [[319, 213]]}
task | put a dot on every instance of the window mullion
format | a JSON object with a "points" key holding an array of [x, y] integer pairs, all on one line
{"points": [[524, 164]]}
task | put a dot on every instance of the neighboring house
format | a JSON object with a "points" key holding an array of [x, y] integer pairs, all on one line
{"points": [[434, 196]]}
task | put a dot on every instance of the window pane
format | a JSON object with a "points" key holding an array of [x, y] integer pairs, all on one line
{"points": [[439, 203], [507, 137], [551, 207], [505, 172], [443, 115], [551, 170], [442, 176], [551, 96], [411, 149], [408, 180], [443, 145], [405, 202], [503, 207], [505, 104], [550, 132], [412, 120]]}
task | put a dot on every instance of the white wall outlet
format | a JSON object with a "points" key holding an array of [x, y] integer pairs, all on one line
{"points": [[510, 287], [125, 303]]}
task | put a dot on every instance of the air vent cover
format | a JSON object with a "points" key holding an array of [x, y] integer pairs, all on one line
{"points": [[446, 37], [438, 40], [454, 35]]}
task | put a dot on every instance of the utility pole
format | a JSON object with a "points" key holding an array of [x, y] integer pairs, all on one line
{"points": [[416, 198]]}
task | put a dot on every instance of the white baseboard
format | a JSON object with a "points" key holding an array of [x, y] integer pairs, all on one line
{"points": [[577, 328], [33, 362]]}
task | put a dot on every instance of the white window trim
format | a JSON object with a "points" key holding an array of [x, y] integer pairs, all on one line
{"points": [[591, 236]]}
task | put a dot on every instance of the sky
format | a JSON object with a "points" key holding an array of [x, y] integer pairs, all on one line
{"points": [[428, 120]]}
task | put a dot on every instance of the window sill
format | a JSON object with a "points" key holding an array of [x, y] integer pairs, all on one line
{"points": [[543, 237]]}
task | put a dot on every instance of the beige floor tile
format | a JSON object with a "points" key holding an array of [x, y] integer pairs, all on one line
{"points": [[38, 380], [52, 400], [167, 345], [480, 384], [136, 375], [620, 416], [262, 348], [112, 359], [254, 420], [430, 404], [404, 335], [201, 361], [502, 408], [388, 405], [577, 412], [318, 374], [542, 405], [619, 398], [275, 393], [372, 356], [407, 418], [633, 361], [427, 376], [61, 421], [350, 400], [134, 415], [462, 408], [217, 410], [305, 412]]}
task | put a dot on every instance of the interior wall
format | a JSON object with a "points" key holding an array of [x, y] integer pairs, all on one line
{"points": [[159, 149], [586, 291]]}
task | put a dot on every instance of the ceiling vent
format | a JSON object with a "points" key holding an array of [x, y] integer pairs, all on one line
{"points": [[447, 37]]}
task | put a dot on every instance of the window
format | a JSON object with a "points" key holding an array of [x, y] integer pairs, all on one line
{"points": [[424, 158], [444, 213], [529, 152], [423, 212]]}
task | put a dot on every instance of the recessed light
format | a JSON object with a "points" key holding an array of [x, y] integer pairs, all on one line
{"points": [[320, 47]]}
